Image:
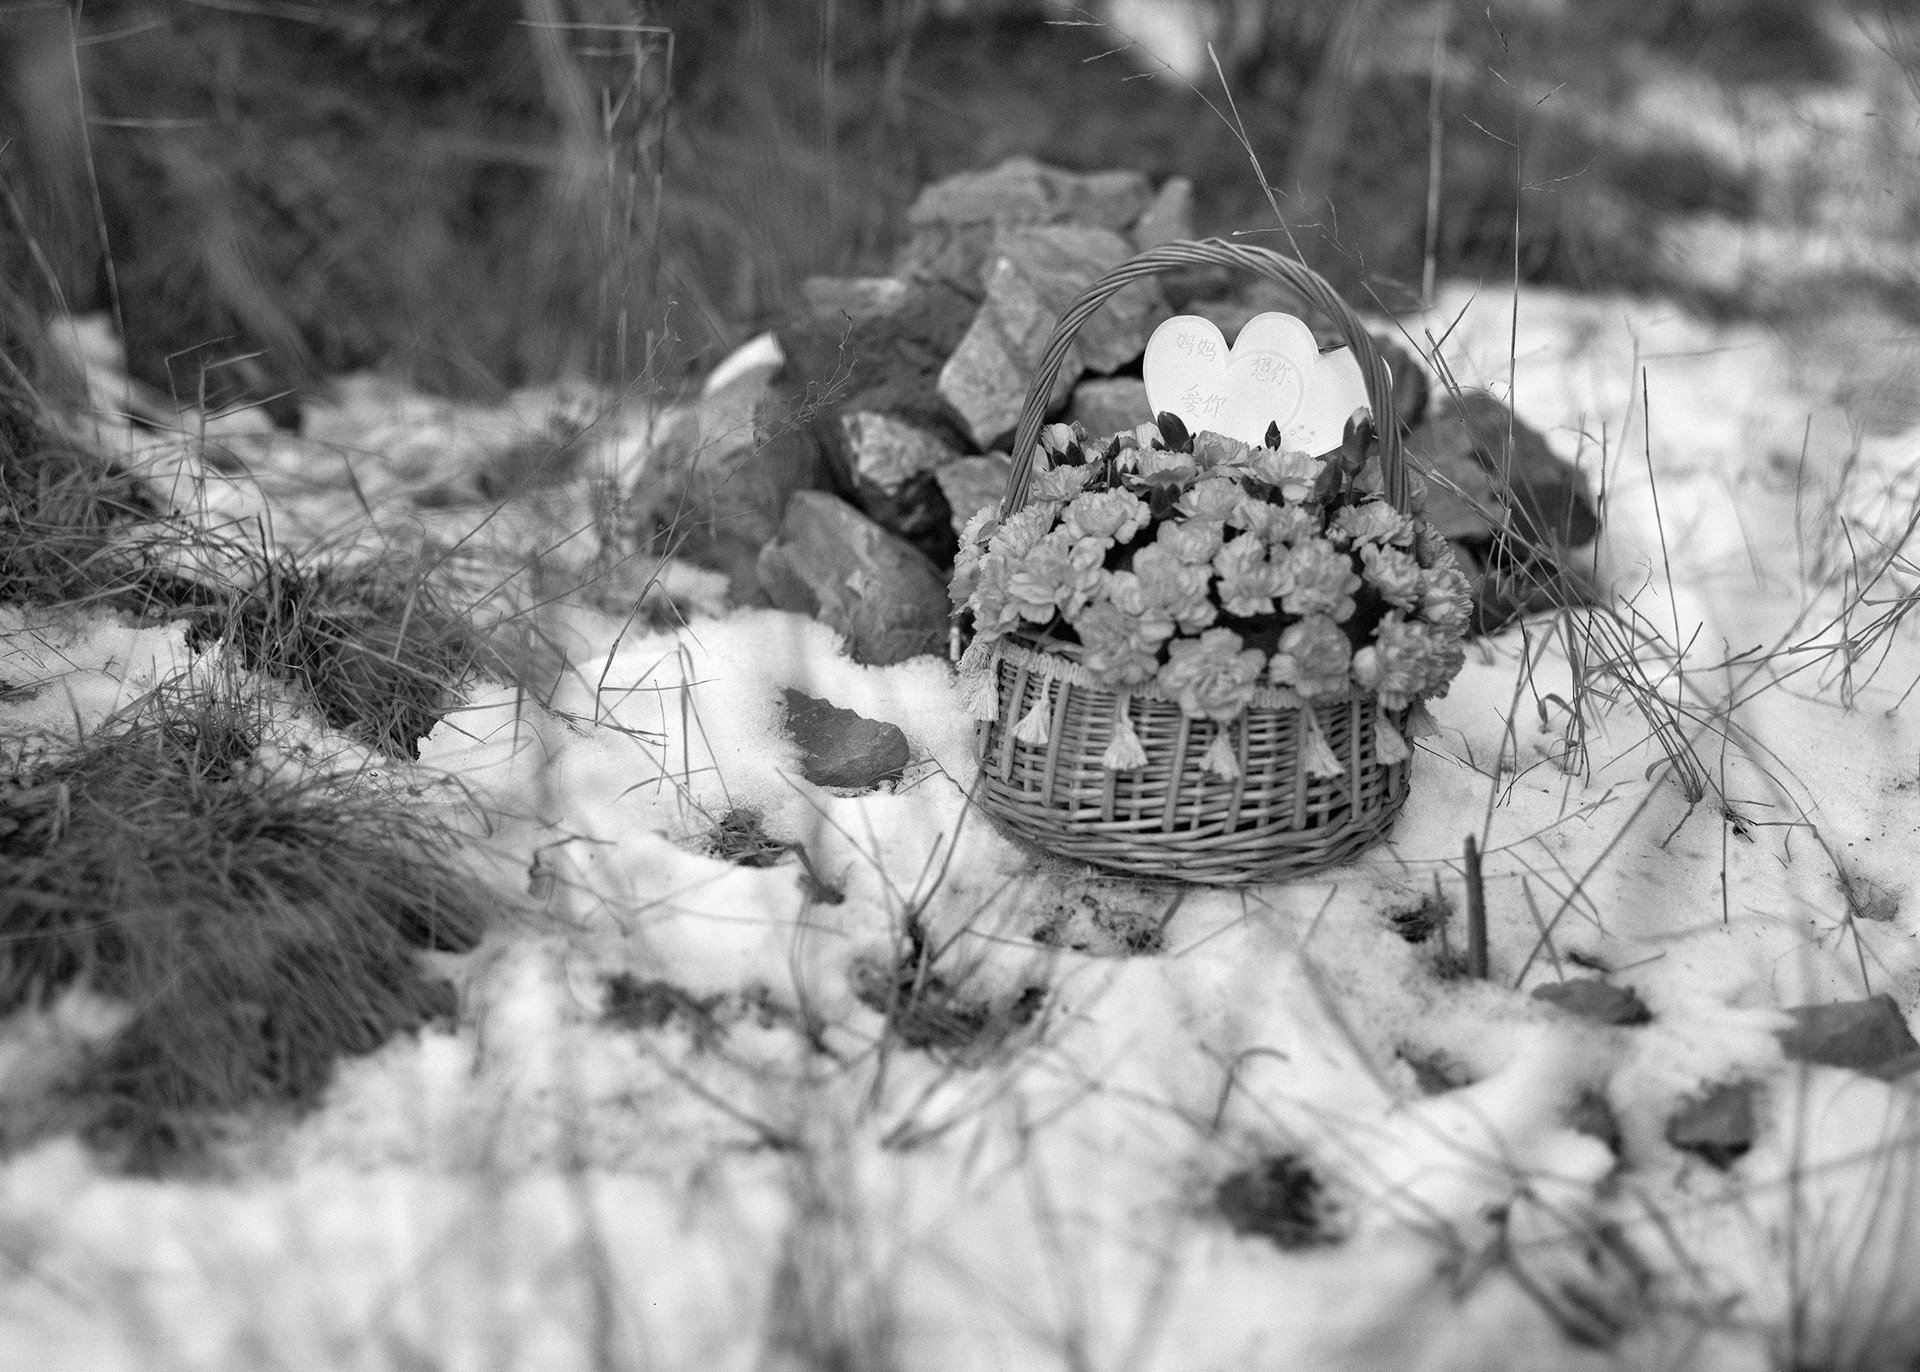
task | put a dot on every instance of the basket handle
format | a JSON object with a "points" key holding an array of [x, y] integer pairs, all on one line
{"points": [[1297, 276]]}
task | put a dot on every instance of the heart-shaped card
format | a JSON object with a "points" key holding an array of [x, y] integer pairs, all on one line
{"points": [[1274, 373]]}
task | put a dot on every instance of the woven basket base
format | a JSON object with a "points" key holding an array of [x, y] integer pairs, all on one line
{"points": [[1173, 819], [1238, 859]]}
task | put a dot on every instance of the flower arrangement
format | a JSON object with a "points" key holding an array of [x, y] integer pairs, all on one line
{"points": [[1216, 574]]}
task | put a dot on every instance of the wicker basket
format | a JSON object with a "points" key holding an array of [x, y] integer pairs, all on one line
{"points": [[1174, 818]]}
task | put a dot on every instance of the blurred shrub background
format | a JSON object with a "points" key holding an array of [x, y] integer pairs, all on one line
{"points": [[480, 194]]}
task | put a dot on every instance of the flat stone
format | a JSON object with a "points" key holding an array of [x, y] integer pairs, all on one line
{"points": [[1869, 1036], [840, 748], [1033, 280], [1023, 191], [1168, 217], [886, 452], [1018, 191], [972, 484], [1061, 261], [1410, 387], [885, 360], [1466, 441], [1105, 405], [878, 590], [717, 480], [1592, 1115], [1596, 999], [918, 512], [986, 380], [1103, 199], [1717, 1126], [855, 298]]}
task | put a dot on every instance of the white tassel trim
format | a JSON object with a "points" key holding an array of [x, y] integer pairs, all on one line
{"points": [[1124, 752], [979, 681], [1037, 727], [1221, 759], [1318, 756], [1388, 747], [983, 700]]}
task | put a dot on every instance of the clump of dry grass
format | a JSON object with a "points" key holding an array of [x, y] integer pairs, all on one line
{"points": [[69, 519], [375, 646], [259, 924]]}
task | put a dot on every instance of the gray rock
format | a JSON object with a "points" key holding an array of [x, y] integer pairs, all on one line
{"points": [[1036, 276], [972, 484], [987, 378], [1023, 191], [717, 481], [1168, 217], [1060, 261], [1596, 999], [855, 298], [1473, 442], [881, 592], [1869, 1036], [886, 452], [1018, 191], [918, 512], [1717, 1126], [884, 361], [1107, 404], [840, 748], [1591, 1114], [1103, 199], [956, 223], [1484, 493]]}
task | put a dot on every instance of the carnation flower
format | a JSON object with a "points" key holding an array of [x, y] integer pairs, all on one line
{"points": [[1020, 531], [1154, 461], [1446, 597], [1172, 588], [1061, 483], [1430, 546], [1147, 436], [1248, 582], [1374, 522], [1106, 515], [1313, 658], [1213, 675], [1131, 596], [966, 562], [1121, 648], [1217, 450], [1293, 473], [1407, 661], [1057, 438], [1058, 574], [1392, 573], [1192, 541], [1211, 497], [1277, 524], [1318, 579], [994, 613]]}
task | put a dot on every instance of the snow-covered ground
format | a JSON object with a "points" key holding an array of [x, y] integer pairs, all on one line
{"points": [[770, 1178]]}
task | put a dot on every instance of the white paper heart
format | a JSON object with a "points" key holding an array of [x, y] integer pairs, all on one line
{"points": [[1334, 391], [1273, 374]]}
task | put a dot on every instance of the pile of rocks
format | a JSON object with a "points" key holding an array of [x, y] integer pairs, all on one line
{"points": [[833, 478]]}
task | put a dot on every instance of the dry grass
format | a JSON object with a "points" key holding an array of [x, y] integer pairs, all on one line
{"points": [[259, 924], [374, 646]]}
